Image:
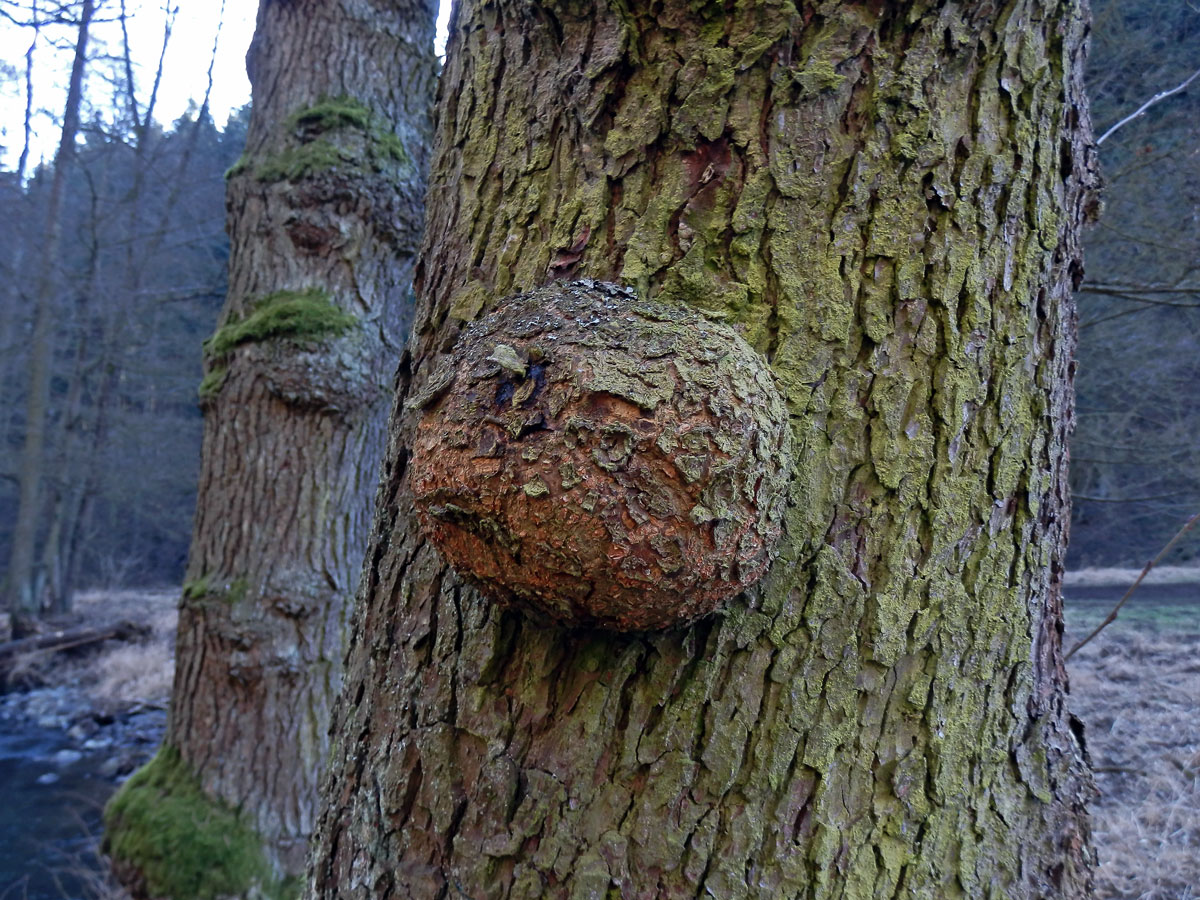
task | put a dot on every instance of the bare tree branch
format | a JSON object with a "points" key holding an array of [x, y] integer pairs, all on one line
{"points": [[1078, 496], [127, 59], [1100, 288], [1112, 616], [28, 123], [168, 24], [1157, 98]]}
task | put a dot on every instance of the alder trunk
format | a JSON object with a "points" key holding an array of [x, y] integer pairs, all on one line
{"points": [[885, 199], [325, 210]]}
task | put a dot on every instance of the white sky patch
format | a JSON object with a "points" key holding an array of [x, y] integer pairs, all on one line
{"points": [[185, 67], [441, 34], [184, 76]]}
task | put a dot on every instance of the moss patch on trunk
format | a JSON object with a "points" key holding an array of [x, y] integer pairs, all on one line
{"points": [[182, 843], [338, 113], [295, 163], [212, 382], [207, 589], [306, 315], [317, 128]]}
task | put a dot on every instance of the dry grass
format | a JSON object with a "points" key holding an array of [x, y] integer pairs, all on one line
{"points": [[134, 673], [1138, 693], [117, 675], [128, 674]]}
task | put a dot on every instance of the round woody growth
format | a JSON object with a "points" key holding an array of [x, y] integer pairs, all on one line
{"points": [[602, 460]]}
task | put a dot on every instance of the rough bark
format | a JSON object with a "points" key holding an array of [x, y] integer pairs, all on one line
{"points": [[324, 215], [886, 199], [603, 462]]}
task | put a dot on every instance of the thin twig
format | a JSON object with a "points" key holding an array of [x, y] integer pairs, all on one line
{"points": [[1112, 616], [1138, 297], [1102, 288], [1092, 499], [1161, 95]]}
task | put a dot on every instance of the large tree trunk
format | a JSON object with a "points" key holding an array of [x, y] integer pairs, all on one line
{"points": [[886, 199], [325, 214]]}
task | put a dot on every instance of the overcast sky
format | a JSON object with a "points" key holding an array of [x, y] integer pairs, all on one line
{"points": [[189, 51]]}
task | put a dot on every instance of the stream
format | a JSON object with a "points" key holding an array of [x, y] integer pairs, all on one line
{"points": [[58, 767], [51, 814]]}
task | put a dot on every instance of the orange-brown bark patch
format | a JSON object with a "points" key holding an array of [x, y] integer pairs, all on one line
{"points": [[603, 461]]}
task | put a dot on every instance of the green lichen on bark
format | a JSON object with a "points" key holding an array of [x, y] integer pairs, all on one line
{"points": [[184, 845], [304, 316]]}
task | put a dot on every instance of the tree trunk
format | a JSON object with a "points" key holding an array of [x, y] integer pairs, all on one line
{"points": [[24, 600], [70, 479], [325, 212], [885, 198], [85, 438]]}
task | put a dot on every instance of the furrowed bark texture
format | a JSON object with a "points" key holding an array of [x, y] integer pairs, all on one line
{"points": [[323, 219], [886, 199]]}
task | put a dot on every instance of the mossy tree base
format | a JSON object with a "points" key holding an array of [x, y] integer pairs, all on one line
{"points": [[170, 839]]}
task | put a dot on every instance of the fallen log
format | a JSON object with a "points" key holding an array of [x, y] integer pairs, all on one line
{"points": [[69, 638]]}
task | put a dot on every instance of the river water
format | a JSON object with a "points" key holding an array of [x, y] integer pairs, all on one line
{"points": [[60, 761], [52, 795]]}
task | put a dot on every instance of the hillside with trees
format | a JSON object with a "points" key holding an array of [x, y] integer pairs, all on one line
{"points": [[137, 286]]}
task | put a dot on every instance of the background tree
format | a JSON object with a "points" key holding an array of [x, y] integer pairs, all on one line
{"points": [[885, 199], [122, 245], [135, 478], [21, 588], [324, 215]]}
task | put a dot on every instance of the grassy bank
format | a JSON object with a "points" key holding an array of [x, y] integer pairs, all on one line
{"points": [[1137, 689]]}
